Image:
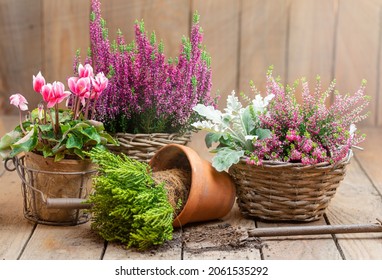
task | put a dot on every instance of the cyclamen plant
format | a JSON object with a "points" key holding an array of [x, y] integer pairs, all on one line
{"points": [[55, 132], [146, 92]]}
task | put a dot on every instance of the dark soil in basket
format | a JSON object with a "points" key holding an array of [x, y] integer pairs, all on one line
{"points": [[177, 183]]}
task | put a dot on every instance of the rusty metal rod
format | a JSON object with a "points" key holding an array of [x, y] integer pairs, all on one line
{"points": [[313, 230]]}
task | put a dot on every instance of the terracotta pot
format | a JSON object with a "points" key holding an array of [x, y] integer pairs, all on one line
{"points": [[54, 191], [212, 193]]}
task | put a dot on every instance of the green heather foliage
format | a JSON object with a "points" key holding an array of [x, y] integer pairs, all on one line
{"points": [[128, 206]]}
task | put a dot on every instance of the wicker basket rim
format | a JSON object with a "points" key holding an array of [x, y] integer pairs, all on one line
{"points": [[151, 134], [275, 164]]}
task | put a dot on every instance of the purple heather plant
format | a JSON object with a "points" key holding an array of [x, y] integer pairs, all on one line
{"points": [[146, 92], [311, 132]]}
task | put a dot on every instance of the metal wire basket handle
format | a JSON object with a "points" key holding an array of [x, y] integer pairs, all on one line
{"points": [[67, 203]]}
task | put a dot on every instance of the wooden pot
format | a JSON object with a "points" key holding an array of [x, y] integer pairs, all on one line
{"points": [[212, 193]]}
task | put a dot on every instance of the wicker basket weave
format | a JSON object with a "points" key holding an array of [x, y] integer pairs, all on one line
{"points": [[287, 191], [142, 147]]}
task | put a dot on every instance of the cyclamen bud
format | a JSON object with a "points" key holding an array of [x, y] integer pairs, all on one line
{"points": [[40, 111], [38, 82]]}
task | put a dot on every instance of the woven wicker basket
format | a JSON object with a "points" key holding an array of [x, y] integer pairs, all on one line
{"points": [[142, 147], [278, 191]]}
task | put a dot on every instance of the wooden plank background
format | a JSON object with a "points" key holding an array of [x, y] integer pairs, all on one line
{"points": [[332, 38]]}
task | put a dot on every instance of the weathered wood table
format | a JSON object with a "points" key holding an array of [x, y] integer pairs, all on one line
{"points": [[358, 200]]}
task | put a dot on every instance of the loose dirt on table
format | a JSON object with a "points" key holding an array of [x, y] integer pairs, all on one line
{"points": [[221, 236]]}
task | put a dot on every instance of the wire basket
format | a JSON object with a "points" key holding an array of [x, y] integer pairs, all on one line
{"points": [[53, 197], [143, 147], [293, 192]]}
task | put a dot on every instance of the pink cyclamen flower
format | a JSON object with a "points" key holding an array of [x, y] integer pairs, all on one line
{"points": [[54, 94], [46, 91], [99, 83], [19, 101], [85, 71], [38, 82], [79, 86]]}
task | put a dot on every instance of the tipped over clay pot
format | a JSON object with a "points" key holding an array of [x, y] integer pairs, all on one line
{"points": [[211, 194]]}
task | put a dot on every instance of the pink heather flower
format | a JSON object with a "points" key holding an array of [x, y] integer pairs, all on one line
{"points": [[307, 161], [318, 132], [307, 146], [293, 136], [85, 71], [54, 94], [38, 82], [19, 101], [295, 155], [79, 86]]}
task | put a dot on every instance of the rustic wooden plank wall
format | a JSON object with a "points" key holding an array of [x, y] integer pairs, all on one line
{"points": [[332, 38]]}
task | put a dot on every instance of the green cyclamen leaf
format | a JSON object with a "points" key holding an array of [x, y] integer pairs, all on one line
{"points": [[65, 127], [107, 138], [45, 127], [27, 143], [59, 156], [226, 157], [92, 134], [47, 151], [74, 142], [98, 125], [8, 139]]}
